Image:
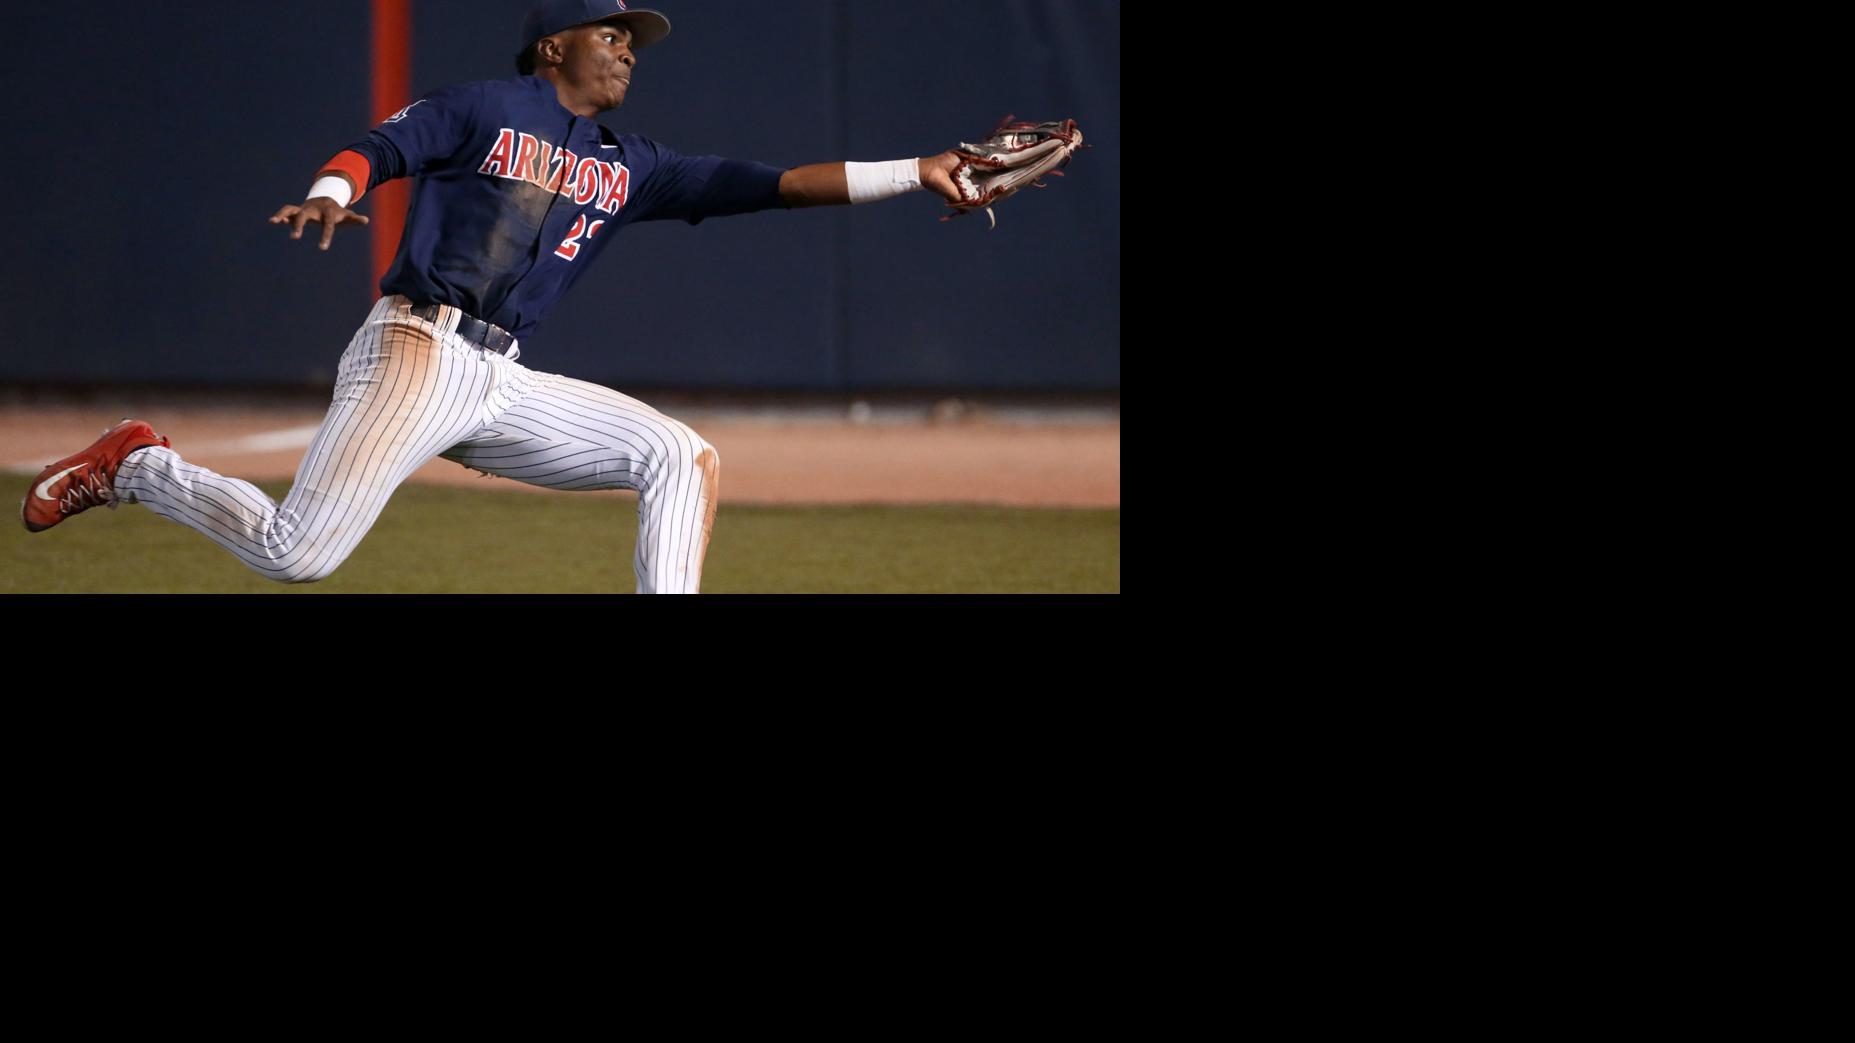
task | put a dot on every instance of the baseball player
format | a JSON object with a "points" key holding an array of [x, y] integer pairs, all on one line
{"points": [[518, 191]]}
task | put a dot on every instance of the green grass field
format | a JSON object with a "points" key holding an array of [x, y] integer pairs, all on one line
{"points": [[445, 540]]}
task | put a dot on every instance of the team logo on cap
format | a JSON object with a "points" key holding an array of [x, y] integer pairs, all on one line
{"points": [[621, 5]]}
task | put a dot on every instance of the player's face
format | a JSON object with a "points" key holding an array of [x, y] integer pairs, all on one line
{"points": [[598, 64]]}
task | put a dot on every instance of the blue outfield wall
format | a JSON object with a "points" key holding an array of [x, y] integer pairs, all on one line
{"points": [[158, 139]]}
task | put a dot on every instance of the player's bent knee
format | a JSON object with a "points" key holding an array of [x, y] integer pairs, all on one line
{"points": [[708, 461], [687, 442], [305, 572], [708, 465], [684, 450]]}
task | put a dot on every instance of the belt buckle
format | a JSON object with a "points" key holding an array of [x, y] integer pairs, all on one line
{"points": [[485, 335]]}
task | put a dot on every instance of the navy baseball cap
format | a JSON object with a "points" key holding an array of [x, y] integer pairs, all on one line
{"points": [[546, 19]]}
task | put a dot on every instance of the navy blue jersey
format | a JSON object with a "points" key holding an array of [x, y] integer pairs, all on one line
{"points": [[516, 195]]}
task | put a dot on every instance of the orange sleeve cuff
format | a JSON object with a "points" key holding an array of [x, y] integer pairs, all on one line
{"points": [[353, 164]]}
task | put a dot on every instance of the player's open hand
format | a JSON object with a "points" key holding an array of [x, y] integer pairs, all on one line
{"points": [[321, 209], [937, 174]]}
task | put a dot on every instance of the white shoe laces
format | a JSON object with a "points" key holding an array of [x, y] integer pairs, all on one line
{"points": [[90, 490]]}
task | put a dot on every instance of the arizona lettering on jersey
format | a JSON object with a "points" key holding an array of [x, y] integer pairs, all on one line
{"points": [[503, 255], [519, 156]]}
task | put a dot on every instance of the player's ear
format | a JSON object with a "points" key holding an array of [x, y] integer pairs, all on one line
{"points": [[550, 50]]}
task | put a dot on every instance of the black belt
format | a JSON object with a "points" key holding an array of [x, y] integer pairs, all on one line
{"points": [[472, 329]]}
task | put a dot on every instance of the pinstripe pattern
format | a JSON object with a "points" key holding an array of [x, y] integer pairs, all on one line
{"points": [[408, 390], [569, 434]]}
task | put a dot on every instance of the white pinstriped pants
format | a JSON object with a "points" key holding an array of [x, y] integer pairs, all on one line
{"points": [[409, 389]]}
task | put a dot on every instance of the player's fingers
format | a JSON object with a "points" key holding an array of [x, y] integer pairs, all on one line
{"points": [[328, 234], [297, 223], [361, 218], [283, 214]]}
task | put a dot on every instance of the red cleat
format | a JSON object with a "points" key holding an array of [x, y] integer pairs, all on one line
{"points": [[83, 480]]}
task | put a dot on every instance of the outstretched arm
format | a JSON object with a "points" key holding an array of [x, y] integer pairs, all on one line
{"points": [[404, 144], [828, 184]]}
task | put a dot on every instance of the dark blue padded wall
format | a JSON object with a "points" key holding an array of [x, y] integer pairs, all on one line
{"points": [[1036, 301], [162, 136], [158, 140]]}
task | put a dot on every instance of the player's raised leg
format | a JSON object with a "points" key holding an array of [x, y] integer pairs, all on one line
{"points": [[404, 391], [571, 434]]}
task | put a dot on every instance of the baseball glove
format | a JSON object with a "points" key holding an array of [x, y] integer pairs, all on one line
{"points": [[1015, 155]]}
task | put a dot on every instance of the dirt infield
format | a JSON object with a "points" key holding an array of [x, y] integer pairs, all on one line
{"points": [[945, 457]]}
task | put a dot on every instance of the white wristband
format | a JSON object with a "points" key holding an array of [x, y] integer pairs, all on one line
{"points": [[335, 188], [872, 181]]}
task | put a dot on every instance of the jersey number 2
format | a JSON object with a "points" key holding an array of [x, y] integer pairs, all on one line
{"points": [[570, 247]]}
